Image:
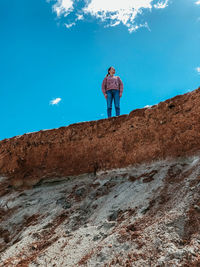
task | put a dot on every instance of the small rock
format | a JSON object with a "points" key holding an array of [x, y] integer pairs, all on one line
{"points": [[96, 237], [103, 235], [145, 209], [65, 204], [126, 247], [67, 232], [131, 227], [99, 227], [113, 216], [102, 257], [197, 207], [80, 192], [108, 225], [34, 247]]}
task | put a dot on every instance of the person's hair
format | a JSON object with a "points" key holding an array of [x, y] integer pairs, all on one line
{"points": [[108, 71]]}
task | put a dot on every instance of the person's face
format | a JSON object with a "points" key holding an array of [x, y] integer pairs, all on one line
{"points": [[112, 71]]}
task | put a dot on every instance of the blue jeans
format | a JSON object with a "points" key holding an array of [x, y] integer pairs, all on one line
{"points": [[113, 94]]}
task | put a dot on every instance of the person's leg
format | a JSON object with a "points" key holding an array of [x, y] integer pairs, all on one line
{"points": [[109, 102], [117, 102]]}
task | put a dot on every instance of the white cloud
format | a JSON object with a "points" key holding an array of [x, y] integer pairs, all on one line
{"points": [[124, 11], [63, 7], [70, 25], [55, 101], [198, 70], [197, 2], [79, 17], [112, 12], [161, 4]]}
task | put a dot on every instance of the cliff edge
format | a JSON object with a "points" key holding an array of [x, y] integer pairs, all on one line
{"points": [[169, 129]]}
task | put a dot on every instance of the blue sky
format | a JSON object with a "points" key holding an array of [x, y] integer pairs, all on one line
{"points": [[61, 49]]}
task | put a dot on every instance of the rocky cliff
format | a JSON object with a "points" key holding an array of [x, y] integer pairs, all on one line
{"points": [[169, 129], [122, 191]]}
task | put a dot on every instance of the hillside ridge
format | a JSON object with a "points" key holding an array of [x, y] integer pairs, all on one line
{"points": [[123, 191], [168, 129]]}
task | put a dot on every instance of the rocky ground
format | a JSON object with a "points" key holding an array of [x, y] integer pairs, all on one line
{"points": [[141, 215]]}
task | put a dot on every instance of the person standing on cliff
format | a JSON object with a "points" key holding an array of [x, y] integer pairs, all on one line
{"points": [[112, 88]]}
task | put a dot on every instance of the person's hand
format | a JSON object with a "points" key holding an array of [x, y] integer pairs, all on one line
{"points": [[106, 96], [120, 95]]}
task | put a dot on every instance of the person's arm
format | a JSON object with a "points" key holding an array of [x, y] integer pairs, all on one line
{"points": [[121, 87], [103, 87]]}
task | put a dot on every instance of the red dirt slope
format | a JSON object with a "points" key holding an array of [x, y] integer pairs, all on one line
{"points": [[169, 129]]}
